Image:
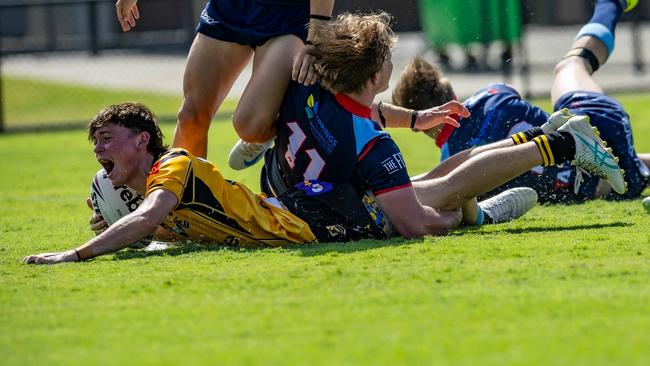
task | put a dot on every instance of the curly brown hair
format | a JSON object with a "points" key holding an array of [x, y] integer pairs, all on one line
{"points": [[421, 86], [134, 116], [351, 49]]}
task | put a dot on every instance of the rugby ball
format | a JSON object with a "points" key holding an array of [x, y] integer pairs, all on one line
{"points": [[114, 202]]}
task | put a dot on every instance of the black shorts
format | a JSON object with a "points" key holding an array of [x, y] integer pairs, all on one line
{"points": [[334, 212], [252, 23]]}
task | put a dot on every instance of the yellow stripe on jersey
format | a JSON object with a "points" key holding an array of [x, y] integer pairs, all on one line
{"points": [[213, 209]]}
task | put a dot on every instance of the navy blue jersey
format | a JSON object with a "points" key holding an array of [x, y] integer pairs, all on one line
{"points": [[328, 156], [331, 138], [498, 112]]}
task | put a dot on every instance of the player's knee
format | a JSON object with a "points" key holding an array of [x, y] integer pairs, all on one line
{"points": [[252, 126], [191, 120]]}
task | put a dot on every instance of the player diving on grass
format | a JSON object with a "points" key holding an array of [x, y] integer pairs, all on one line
{"points": [[330, 150], [498, 112], [184, 194]]}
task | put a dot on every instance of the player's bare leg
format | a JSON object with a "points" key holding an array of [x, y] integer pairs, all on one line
{"points": [[261, 100], [457, 159], [554, 122], [574, 73], [211, 69], [590, 50], [477, 175]]}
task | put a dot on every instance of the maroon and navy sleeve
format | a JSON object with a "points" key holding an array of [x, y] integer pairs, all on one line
{"points": [[381, 166]]}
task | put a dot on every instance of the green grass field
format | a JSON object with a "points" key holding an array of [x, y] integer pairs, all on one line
{"points": [[29, 102], [564, 285]]}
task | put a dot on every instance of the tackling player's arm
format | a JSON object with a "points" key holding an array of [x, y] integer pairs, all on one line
{"points": [[382, 168], [393, 116], [412, 219], [303, 70], [120, 235]]}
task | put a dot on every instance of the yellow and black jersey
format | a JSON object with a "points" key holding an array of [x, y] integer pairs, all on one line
{"points": [[213, 209]]}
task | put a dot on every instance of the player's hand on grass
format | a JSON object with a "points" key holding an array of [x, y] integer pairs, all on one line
{"points": [[127, 13], [429, 118], [52, 258], [303, 67], [97, 223]]}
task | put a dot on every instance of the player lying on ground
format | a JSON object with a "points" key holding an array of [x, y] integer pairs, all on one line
{"points": [[186, 195], [498, 112], [326, 136]]}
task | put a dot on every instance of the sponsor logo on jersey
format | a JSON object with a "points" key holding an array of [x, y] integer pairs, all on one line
{"points": [[155, 168], [394, 163], [318, 129], [314, 187]]}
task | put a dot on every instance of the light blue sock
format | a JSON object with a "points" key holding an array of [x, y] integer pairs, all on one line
{"points": [[480, 216]]}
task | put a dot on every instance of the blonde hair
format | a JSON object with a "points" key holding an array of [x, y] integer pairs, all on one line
{"points": [[421, 86], [351, 49]]}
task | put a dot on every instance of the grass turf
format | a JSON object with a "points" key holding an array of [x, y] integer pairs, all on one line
{"points": [[31, 102], [563, 285]]}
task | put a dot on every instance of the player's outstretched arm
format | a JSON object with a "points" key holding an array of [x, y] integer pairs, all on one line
{"points": [[411, 219], [124, 232], [425, 119], [127, 13]]}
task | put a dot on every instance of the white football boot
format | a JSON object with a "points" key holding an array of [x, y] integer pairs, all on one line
{"points": [[245, 154], [509, 205], [556, 120], [592, 153], [156, 246]]}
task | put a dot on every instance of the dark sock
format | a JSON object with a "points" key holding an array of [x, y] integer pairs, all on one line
{"points": [[556, 147], [587, 55], [525, 136]]}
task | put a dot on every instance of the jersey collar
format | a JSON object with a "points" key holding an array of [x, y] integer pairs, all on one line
{"points": [[352, 106]]}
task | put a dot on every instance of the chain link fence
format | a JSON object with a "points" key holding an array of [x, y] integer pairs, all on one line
{"points": [[63, 60]]}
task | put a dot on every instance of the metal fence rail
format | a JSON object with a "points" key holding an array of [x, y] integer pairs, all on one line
{"points": [[79, 43]]}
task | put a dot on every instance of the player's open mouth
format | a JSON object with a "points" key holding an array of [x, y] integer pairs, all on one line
{"points": [[107, 165]]}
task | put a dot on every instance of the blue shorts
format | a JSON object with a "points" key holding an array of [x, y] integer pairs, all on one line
{"points": [[252, 23], [608, 115]]}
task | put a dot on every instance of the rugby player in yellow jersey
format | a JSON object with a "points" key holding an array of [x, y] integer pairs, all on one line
{"points": [[186, 195]]}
